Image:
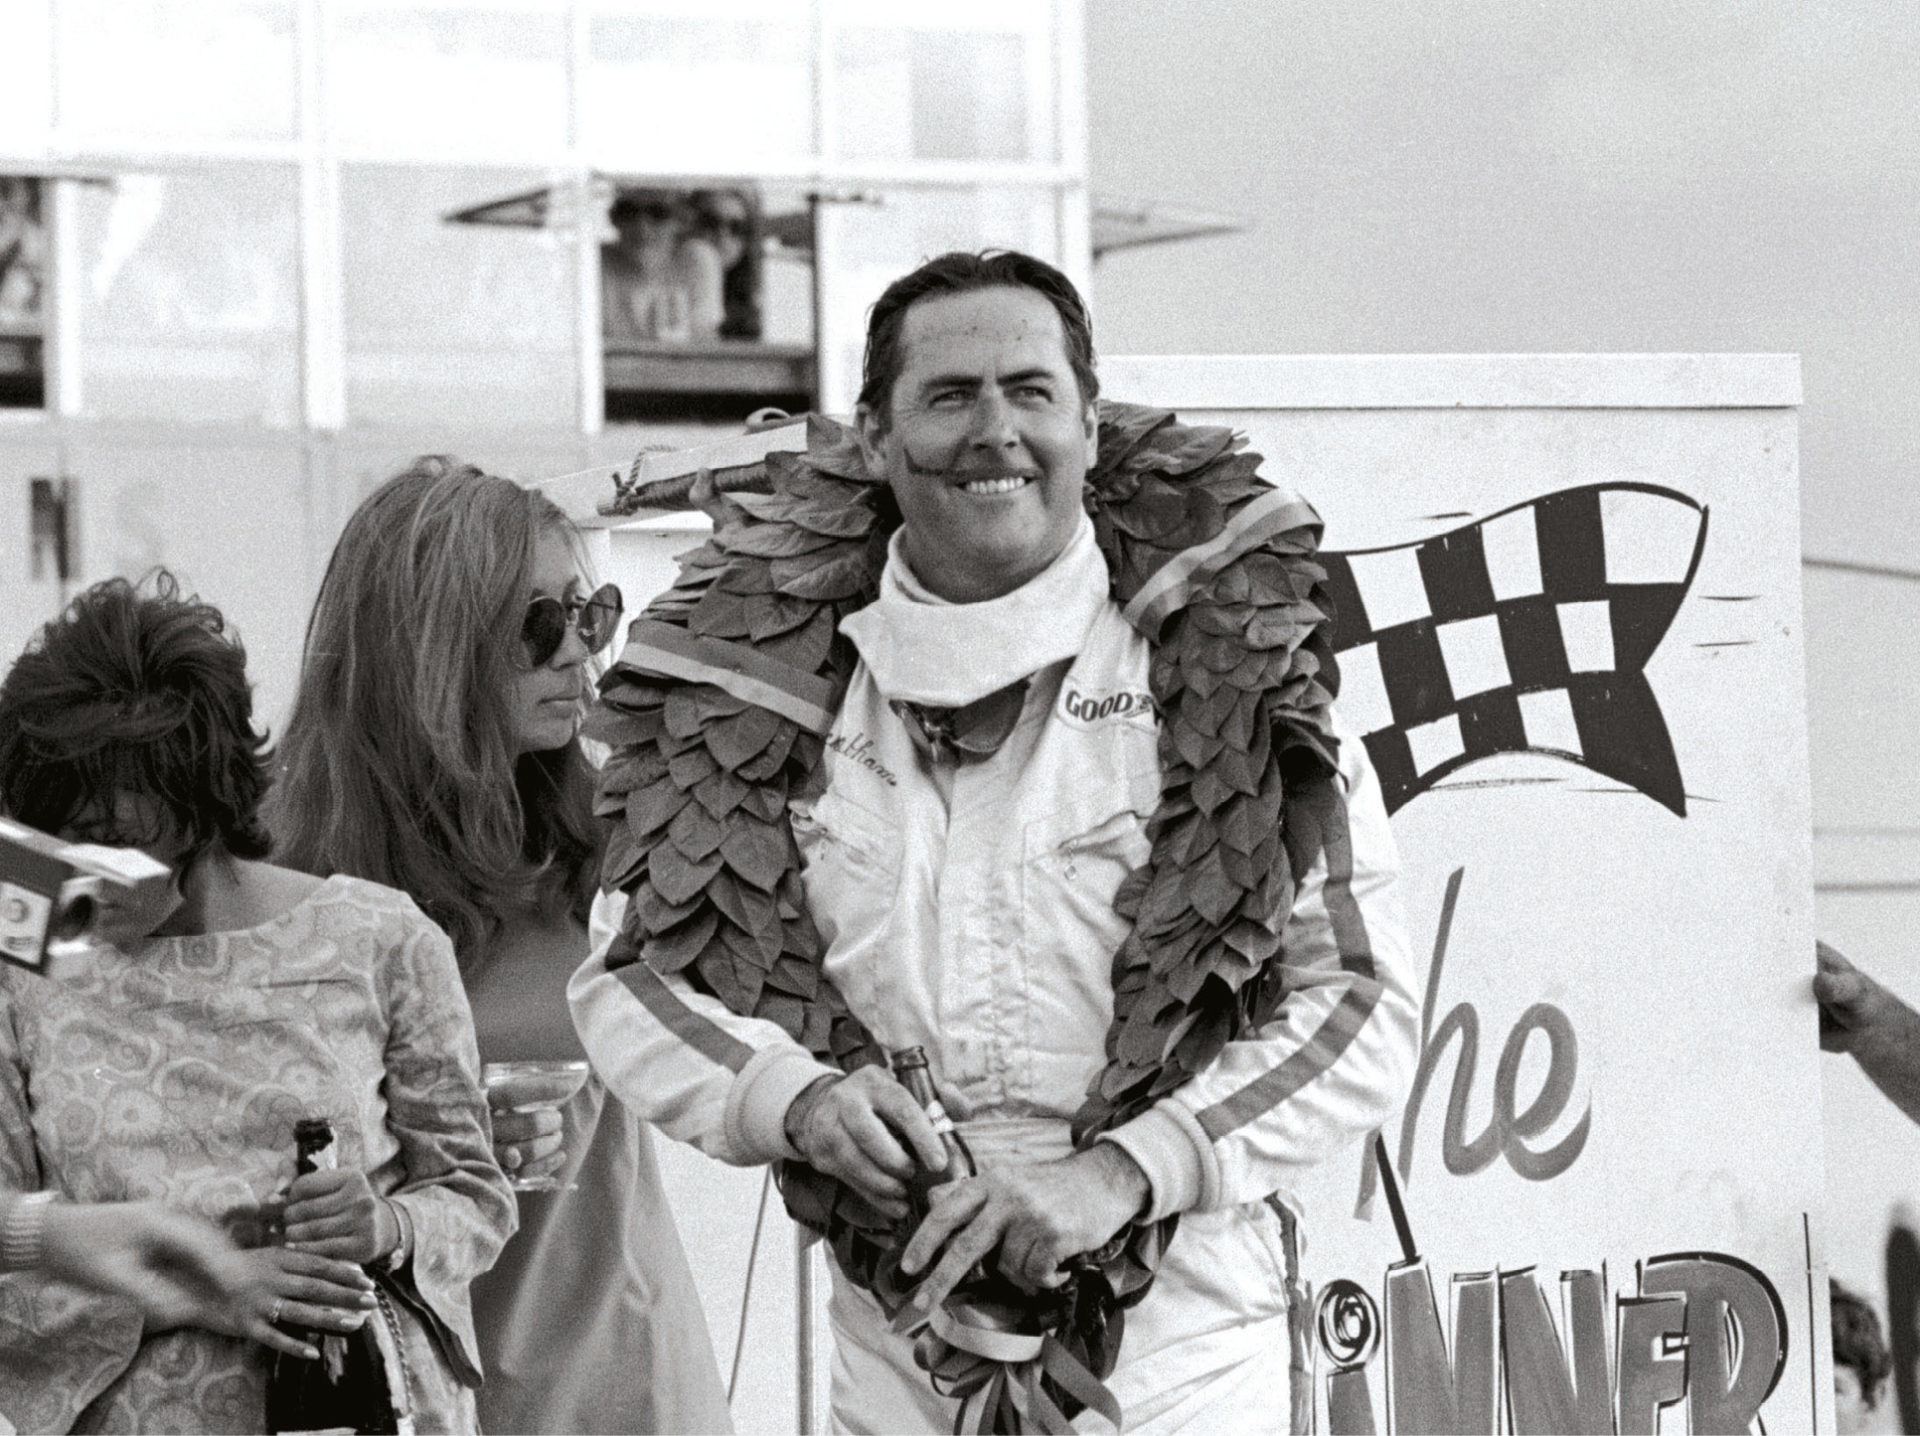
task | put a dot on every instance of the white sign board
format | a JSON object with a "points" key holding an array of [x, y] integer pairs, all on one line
{"points": [[1571, 629]]}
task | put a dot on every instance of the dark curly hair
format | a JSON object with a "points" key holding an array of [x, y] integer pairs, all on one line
{"points": [[137, 691], [960, 272], [1857, 1341]]}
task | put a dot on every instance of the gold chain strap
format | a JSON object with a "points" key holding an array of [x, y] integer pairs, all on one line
{"points": [[405, 1395]]}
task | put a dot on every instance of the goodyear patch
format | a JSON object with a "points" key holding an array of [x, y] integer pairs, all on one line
{"points": [[1087, 709]]}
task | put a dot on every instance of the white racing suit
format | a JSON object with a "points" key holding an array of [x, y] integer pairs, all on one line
{"points": [[968, 911]]}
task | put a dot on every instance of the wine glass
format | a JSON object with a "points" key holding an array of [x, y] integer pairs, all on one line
{"points": [[533, 1086]]}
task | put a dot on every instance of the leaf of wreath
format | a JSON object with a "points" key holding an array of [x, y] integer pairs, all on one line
{"points": [[1210, 562]]}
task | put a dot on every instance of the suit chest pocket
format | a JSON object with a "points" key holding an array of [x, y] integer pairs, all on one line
{"points": [[850, 866], [1074, 859]]}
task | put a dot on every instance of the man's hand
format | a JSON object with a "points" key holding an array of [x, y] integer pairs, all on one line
{"points": [[336, 1214], [852, 1128], [1039, 1217], [1860, 1017]]}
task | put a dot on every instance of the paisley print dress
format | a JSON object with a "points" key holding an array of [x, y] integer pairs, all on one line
{"points": [[176, 1073]]}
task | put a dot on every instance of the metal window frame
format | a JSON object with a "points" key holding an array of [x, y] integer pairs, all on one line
{"points": [[318, 154]]}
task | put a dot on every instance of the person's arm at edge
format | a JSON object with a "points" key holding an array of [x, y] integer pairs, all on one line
{"points": [[1876, 1028]]}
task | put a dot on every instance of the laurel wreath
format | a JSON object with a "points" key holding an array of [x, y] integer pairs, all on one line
{"points": [[716, 713]]}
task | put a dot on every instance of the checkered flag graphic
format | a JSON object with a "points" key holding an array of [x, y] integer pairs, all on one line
{"points": [[1525, 632]]}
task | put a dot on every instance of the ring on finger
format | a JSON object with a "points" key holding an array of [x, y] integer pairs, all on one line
{"points": [[273, 1312]]}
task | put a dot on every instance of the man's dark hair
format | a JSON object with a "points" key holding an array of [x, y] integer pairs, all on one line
{"points": [[1857, 1341], [960, 273], [143, 694]]}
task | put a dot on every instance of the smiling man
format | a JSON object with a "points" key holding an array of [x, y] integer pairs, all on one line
{"points": [[985, 434], [990, 775]]}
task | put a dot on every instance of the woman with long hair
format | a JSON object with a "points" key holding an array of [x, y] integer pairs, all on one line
{"points": [[172, 1059], [434, 746]]}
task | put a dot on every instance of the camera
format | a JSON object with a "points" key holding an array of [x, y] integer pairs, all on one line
{"points": [[52, 891]]}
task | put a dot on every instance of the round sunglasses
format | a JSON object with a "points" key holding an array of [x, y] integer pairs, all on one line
{"points": [[595, 618]]}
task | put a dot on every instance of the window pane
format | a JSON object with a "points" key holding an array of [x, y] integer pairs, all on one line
{"points": [[31, 533], [873, 245], [190, 295], [786, 269], [695, 283], [178, 69], [449, 79], [24, 256], [26, 76], [454, 322], [680, 91], [936, 95]]}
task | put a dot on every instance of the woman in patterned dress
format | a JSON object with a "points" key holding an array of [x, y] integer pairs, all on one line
{"points": [[172, 1063], [434, 746]]}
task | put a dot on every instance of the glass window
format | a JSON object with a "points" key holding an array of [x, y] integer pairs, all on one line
{"points": [[685, 303], [190, 295], [726, 87], [39, 548], [912, 94], [26, 76], [454, 323], [873, 95], [868, 246], [177, 69], [786, 265], [25, 255], [481, 80]]}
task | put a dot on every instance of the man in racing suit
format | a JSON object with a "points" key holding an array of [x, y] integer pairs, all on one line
{"points": [[965, 899]]}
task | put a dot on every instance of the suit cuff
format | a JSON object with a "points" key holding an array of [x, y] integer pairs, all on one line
{"points": [[1177, 1156], [757, 1102]]}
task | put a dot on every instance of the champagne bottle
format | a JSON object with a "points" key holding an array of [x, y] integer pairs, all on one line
{"points": [[910, 1070], [346, 1389]]}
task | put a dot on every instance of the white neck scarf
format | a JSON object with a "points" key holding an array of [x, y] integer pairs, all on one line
{"points": [[921, 648]]}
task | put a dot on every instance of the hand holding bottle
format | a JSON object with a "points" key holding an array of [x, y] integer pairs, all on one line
{"points": [[333, 1375], [911, 1071], [336, 1213], [262, 1287], [302, 1290], [860, 1128]]}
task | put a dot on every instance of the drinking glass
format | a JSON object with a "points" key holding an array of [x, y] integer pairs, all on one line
{"points": [[532, 1087]]}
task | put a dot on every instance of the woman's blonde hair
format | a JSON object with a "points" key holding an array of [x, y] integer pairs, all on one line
{"points": [[400, 762]]}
